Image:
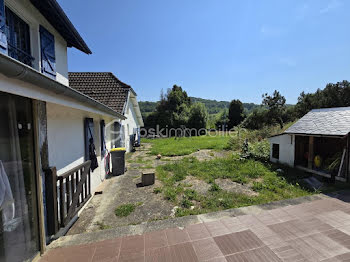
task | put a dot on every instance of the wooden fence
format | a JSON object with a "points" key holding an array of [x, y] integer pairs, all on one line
{"points": [[66, 194]]}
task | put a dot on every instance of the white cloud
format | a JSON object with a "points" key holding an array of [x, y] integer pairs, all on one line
{"points": [[333, 4]]}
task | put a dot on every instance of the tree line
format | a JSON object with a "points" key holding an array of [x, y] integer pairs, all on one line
{"points": [[176, 109]]}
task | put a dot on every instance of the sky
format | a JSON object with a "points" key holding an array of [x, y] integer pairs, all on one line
{"points": [[215, 49]]}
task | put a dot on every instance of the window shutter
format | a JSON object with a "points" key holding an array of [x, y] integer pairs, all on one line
{"points": [[3, 38], [88, 133], [48, 58], [103, 142]]}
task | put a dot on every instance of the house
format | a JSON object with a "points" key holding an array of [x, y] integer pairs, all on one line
{"points": [[318, 143], [48, 129], [106, 88]]}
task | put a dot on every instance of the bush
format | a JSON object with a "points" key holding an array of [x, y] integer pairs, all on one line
{"points": [[260, 150]]}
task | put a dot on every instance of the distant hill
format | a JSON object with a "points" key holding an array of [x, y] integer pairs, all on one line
{"points": [[212, 106]]}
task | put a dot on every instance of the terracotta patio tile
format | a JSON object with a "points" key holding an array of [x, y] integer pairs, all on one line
{"points": [[217, 228], [206, 249], [335, 218], [217, 259], [132, 248], [159, 254], [306, 250], [176, 236], [156, 239], [197, 231], [53, 255], [182, 252], [237, 242], [263, 254], [250, 220], [132, 257], [233, 224], [281, 214], [266, 218], [339, 237], [288, 254], [106, 251]]}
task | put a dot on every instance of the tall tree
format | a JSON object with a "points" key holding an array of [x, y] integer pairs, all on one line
{"points": [[198, 116], [235, 113], [276, 105]]}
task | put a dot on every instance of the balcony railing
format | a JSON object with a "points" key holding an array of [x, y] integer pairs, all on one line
{"points": [[20, 55], [66, 194]]}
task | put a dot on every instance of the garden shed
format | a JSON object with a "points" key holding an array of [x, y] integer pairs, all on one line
{"points": [[317, 143]]}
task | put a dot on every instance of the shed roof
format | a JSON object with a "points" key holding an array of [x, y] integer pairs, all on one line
{"points": [[104, 87], [53, 12], [325, 121]]}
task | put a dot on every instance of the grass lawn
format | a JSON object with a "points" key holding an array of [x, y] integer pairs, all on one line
{"points": [[186, 145], [260, 177]]}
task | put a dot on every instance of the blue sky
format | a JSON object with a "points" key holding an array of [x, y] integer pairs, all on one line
{"points": [[215, 49]]}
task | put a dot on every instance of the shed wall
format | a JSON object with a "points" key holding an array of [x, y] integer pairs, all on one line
{"points": [[286, 149]]}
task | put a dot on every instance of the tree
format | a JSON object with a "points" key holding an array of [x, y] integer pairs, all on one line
{"points": [[256, 119], [276, 105], [222, 120], [198, 116], [235, 114], [333, 95]]}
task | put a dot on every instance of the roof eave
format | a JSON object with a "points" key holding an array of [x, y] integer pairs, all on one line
{"points": [[45, 7], [17, 70]]}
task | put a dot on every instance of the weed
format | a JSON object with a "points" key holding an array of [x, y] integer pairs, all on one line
{"points": [[186, 203], [190, 194], [124, 210], [157, 190], [102, 226], [170, 194], [214, 188]]}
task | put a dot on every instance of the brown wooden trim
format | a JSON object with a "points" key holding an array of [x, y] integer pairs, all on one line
{"points": [[40, 203], [51, 200], [311, 152]]}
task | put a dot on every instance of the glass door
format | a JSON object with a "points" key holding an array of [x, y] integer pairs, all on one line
{"points": [[19, 227]]}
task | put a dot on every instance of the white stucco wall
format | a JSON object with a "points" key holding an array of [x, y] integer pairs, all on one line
{"points": [[287, 147], [28, 13], [129, 124], [65, 131]]}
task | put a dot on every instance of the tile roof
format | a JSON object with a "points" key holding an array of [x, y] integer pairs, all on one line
{"points": [[325, 121], [101, 86]]}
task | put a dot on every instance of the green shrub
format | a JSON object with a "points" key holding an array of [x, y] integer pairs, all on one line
{"points": [[157, 190], [124, 210]]}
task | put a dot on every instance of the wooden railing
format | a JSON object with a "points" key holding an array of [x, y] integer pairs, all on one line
{"points": [[66, 194]]}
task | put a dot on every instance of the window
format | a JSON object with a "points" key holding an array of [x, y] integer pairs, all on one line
{"points": [[276, 151], [18, 39], [48, 57]]}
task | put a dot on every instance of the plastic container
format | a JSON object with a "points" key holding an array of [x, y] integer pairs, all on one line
{"points": [[118, 161]]}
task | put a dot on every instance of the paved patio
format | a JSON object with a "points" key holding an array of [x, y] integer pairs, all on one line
{"points": [[318, 230]]}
